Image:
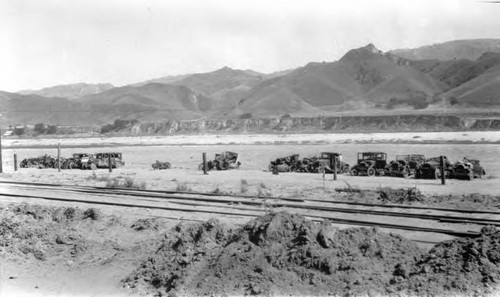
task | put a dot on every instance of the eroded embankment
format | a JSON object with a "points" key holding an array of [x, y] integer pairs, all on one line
{"points": [[285, 254], [321, 124]]}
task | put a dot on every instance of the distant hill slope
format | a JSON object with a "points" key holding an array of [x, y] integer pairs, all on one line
{"points": [[224, 85], [481, 91], [162, 80], [456, 72], [363, 77], [18, 109], [470, 49], [71, 91], [151, 101]]}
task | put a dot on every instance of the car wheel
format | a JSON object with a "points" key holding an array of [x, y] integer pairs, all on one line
{"points": [[354, 172], [321, 170], [371, 171], [271, 167]]}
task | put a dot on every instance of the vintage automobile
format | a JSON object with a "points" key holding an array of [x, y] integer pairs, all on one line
{"points": [[468, 169], [102, 160], [285, 164], [405, 165], [161, 165], [324, 163], [223, 161], [84, 161], [370, 163], [45, 161], [430, 169]]}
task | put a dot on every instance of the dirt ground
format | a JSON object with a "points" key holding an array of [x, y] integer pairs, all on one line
{"points": [[49, 251], [62, 250]]}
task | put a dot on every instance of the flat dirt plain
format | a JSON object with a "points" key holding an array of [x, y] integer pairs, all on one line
{"points": [[94, 255]]}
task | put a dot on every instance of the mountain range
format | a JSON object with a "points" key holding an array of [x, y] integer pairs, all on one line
{"points": [[443, 77]]}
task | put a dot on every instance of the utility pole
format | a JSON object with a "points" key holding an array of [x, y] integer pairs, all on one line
{"points": [[204, 156], [59, 157], [1, 162], [441, 161]]}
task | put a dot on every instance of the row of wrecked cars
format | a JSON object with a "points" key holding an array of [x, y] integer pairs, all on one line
{"points": [[368, 163], [376, 164], [77, 161]]}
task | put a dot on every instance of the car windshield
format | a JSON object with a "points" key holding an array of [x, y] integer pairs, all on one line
{"points": [[372, 156]]}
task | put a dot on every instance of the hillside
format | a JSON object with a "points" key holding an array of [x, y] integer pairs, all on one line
{"points": [[71, 91], [18, 109], [365, 81], [224, 85], [482, 91], [152, 101], [162, 80], [364, 77], [456, 72], [469, 49]]}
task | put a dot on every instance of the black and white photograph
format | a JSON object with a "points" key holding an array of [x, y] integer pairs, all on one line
{"points": [[249, 148]]}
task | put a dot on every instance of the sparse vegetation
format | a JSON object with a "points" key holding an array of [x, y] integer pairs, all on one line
{"points": [[129, 183], [243, 186], [118, 125], [183, 187], [408, 195]]}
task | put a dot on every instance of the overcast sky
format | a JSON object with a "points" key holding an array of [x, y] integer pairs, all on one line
{"points": [[50, 42]]}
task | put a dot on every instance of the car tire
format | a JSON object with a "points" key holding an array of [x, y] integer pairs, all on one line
{"points": [[371, 171], [354, 172]]}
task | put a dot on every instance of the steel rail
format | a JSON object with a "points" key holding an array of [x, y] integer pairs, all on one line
{"points": [[127, 190], [249, 214], [188, 196]]}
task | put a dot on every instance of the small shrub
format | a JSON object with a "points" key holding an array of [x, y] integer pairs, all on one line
{"points": [[93, 214], [183, 187], [145, 224], [244, 186], [114, 183], [387, 194], [129, 182]]}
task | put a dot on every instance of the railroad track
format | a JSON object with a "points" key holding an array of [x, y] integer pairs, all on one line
{"points": [[454, 222]]}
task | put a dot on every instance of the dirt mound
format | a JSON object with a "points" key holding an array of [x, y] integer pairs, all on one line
{"points": [[184, 247], [145, 224], [275, 254], [464, 266], [41, 232]]}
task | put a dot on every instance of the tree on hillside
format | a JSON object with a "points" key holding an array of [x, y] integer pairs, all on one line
{"points": [[39, 128], [51, 129], [19, 131]]}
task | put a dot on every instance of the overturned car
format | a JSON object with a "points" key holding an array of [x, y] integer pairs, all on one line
{"points": [[405, 165], [223, 161], [467, 169], [285, 164]]}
